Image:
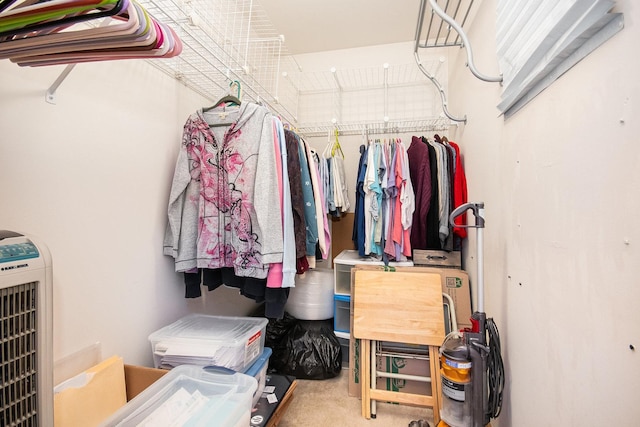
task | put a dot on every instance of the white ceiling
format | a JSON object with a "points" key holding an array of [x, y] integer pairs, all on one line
{"points": [[314, 26]]}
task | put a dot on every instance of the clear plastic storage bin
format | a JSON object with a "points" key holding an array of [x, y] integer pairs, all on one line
{"points": [[259, 371], [198, 339], [191, 396]]}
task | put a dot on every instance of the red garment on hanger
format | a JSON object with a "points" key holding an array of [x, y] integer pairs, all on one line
{"points": [[459, 192]]}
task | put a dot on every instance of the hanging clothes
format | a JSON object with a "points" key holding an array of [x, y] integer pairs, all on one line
{"points": [[317, 199], [407, 199], [420, 173], [446, 181], [341, 195], [459, 193], [392, 195], [334, 179], [384, 201], [443, 191], [297, 198], [358, 234], [432, 225], [237, 224], [311, 223], [223, 227], [374, 208], [283, 274], [322, 203]]}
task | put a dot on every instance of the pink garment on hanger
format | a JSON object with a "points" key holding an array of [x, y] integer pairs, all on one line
{"points": [[325, 220], [274, 276]]}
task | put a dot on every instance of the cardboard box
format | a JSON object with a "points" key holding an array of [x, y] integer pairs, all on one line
{"points": [[456, 284], [93, 395], [407, 366], [138, 378], [354, 367], [398, 365]]}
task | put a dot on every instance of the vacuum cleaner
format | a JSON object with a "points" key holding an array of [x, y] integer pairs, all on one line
{"points": [[471, 365]]}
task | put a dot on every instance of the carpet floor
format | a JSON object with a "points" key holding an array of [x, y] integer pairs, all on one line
{"points": [[327, 403]]}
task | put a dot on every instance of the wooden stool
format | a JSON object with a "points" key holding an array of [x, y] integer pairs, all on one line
{"points": [[403, 305]]}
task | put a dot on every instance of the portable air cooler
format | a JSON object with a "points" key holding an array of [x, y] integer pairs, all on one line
{"points": [[26, 344]]}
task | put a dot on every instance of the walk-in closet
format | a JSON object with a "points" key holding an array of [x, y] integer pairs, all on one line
{"points": [[407, 213]]}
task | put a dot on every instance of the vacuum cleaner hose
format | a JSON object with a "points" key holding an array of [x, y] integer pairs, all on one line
{"points": [[495, 375]]}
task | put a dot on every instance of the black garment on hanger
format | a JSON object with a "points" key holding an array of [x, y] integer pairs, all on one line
{"points": [[297, 199], [255, 289], [420, 173], [433, 233]]}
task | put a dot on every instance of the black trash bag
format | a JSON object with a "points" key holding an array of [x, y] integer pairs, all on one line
{"points": [[277, 330], [309, 350]]}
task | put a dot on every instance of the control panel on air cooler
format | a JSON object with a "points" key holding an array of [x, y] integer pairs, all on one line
{"points": [[15, 247]]}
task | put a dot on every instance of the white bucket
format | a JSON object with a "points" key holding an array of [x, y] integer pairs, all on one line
{"points": [[312, 297]]}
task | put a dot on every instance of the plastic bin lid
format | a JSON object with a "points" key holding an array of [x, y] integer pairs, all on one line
{"points": [[352, 257], [228, 329]]}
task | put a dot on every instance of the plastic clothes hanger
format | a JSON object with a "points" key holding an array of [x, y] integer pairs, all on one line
{"points": [[336, 146], [227, 99], [129, 31], [4, 4], [30, 19], [156, 40]]}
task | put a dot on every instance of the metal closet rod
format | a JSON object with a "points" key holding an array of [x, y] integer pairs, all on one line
{"points": [[372, 128], [465, 41]]}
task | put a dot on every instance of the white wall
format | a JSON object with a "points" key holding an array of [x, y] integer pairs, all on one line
{"points": [[90, 176], [560, 181]]}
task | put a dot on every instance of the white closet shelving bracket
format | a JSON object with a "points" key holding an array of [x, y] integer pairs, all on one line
{"points": [[416, 55], [438, 86], [277, 76], [50, 96], [385, 66], [337, 95], [334, 72], [465, 41]]}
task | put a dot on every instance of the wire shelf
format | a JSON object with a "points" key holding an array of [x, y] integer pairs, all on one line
{"points": [[366, 78], [225, 41], [234, 40], [373, 97]]}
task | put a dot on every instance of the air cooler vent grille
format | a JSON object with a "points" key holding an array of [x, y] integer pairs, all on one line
{"points": [[18, 362]]}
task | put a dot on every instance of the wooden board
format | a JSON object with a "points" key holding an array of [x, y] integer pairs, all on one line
{"points": [[284, 403], [404, 305]]}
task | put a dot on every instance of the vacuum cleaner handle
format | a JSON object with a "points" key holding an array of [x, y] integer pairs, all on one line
{"points": [[478, 210], [478, 213]]}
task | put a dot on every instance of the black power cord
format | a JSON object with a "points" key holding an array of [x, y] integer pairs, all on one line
{"points": [[495, 375]]}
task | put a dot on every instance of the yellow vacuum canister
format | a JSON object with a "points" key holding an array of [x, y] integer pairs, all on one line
{"points": [[455, 370]]}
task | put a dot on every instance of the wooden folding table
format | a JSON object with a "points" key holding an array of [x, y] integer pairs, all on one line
{"points": [[402, 305]]}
